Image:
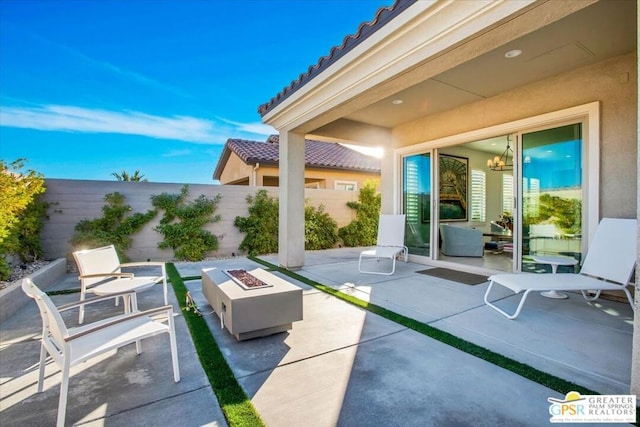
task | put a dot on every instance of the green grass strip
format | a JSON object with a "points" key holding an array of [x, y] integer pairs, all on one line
{"points": [[524, 370], [234, 402], [63, 292]]}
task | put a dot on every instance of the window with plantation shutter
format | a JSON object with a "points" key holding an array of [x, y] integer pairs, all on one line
{"points": [[507, 193], [478, 195]]}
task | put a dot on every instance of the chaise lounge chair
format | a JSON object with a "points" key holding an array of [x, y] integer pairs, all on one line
{"points": [[389, 245], [608, 266]]}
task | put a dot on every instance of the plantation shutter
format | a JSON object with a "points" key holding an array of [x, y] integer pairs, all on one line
{"points": [[478, 195], [507, 193]]}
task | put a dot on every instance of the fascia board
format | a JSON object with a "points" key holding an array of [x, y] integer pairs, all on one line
{"points": [[424, 30]]}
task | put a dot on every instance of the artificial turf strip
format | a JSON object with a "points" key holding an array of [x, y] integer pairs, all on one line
{"points": [[234, 402], [63, 292], [524, 370]]}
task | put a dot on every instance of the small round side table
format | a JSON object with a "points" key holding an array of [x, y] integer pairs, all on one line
{"points": [[554, 262]]}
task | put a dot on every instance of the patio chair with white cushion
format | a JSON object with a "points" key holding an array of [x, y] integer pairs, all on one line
{"points": [[101, 273], [389, 245], [71, 346], [608, 266]]}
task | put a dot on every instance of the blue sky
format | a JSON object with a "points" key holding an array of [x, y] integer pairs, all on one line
{"points": [[88, 88]]}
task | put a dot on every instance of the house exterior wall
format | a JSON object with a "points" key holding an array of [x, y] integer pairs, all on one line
{"points": [[75, 200], [328, 178], [612, 82], [237, 172]]}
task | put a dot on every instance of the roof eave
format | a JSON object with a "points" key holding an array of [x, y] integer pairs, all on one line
{"points": [[366, 29], [377, 67], [222, 161]]}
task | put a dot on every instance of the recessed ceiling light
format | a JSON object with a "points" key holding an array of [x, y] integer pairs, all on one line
{"points": [[397, 101], [513, 53]]}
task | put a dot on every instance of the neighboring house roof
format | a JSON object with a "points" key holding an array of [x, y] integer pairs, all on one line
{"points": [[318, 154], [384, 15]]}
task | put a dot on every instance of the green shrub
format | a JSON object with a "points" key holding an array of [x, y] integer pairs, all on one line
{"points": [[320, 230], [20, 213], [182, 224], [261, 226], [363, 230], [26, 236], [115, 227]]}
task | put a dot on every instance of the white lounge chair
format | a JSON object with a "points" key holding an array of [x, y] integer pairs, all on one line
{"points": [[389, 245], [101, 273], [608, 266], [71, 346]]}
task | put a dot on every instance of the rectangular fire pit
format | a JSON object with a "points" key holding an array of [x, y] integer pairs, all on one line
{"points": [[250, 312]]}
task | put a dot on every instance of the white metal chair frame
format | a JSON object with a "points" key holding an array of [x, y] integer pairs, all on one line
{"points": [[389, 245], [608, 266], [101, 273], [71, 346]]}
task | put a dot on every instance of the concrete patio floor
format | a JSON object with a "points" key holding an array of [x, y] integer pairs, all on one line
{"points": [[341, 365]]}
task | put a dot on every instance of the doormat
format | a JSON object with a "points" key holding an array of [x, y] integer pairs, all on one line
{"points": [[455, 276]]}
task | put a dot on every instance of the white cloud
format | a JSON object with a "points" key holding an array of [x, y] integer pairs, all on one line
{"points": [[76, 119], [254, 128], [177, 153]]}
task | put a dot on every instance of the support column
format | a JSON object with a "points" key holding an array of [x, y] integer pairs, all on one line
{"points": [[291, 225], [635, 352], [635, 347]]}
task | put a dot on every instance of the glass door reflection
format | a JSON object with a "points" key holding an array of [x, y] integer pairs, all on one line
{"points": [[417, 202]]}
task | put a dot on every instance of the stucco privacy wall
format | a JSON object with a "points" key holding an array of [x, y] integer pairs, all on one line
{"points": [[612, 82], [75, 200]]}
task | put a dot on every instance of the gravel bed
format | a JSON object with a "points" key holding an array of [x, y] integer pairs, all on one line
{"points": [[18, 271]]}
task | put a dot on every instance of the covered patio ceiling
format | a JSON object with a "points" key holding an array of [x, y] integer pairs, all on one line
{"points": [[603, 30], [554, 37]]}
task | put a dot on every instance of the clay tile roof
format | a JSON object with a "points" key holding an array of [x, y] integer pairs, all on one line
{"points": [[318, 154], [383, 15]]}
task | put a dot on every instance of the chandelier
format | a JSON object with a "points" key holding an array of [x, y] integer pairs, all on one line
{"points": [[504, 162]]}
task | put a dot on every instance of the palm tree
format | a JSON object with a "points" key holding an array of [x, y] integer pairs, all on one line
{"points": [[124, 176]]}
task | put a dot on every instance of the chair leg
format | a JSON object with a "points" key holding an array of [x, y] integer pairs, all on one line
{"points": [[64, 388], [597, 295], [43, 358], [499, 310], [81, 308], [376, 272], [174, 347], [164, 289], [630, 298], [131, 305]]}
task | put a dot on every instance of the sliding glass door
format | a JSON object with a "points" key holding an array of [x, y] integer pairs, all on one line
{"points": [[552, 188], [417, 202], [500, 203]]}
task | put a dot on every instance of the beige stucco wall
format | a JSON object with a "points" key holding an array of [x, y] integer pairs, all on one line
{"points": [[75, 200], [612, 82], [236, 170]]}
